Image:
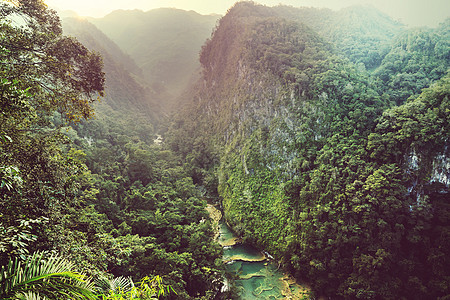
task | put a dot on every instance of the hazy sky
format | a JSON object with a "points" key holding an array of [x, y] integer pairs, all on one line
{"points": [[410, 12]]}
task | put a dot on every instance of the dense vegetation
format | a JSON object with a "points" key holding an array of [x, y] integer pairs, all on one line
{"points": [[100, 192], [324, 136], [342, 172]]}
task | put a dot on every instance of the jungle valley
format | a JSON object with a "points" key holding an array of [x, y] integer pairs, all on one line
{"points": [[321, 137]]}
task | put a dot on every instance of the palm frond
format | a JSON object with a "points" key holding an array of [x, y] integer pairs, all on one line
{"points": [[122, 283], [48, 276], [29, 296], [118, 284]]}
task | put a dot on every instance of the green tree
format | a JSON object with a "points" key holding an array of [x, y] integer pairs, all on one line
{"points": [[42, 74]]}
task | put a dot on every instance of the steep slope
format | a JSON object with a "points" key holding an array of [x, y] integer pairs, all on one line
{"points": [[164, 43], [414, 59], [124, 86], [402, 61], [361, 33], [291, 133]]}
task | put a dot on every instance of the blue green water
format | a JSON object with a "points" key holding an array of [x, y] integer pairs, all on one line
{"points": [[242, 252], [259, 278]]}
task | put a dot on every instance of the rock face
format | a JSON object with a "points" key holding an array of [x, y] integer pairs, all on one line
{"points": [[441, 169], [216, 216]]}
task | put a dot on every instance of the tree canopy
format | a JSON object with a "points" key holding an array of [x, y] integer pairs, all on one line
{"points": [[43, 73]]}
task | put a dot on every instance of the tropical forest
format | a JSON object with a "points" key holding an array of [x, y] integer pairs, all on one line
{"points": [[272, 152]]}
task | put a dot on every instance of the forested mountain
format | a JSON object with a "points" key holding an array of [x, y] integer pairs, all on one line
{"points": [[346, 189], [165, 44], [361, 32], [415, 59], [124, 84]]}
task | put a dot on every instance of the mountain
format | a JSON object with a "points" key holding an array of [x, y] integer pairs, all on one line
{"points": [[414, 60], [360, 32], [165, 43], [323, 136], [345, 189], [125, 88]]}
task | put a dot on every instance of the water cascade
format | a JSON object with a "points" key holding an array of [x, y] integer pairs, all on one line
{"points": [[258, 276]]}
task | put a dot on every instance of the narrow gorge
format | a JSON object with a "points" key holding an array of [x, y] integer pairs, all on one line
{"points": [[322, 135]]}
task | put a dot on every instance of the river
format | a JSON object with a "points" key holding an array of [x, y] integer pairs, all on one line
{"points": [[258, 276]]}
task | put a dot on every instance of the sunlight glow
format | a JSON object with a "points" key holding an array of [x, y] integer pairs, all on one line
{"points": [[410, 12]]}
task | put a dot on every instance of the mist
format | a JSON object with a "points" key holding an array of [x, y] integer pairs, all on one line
{"points": [[410, 12]]}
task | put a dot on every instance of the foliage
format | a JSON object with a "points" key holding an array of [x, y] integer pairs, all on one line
{"points": [[63, 75], [42, 73], [15, 239], [114, 285], [146, 289], [340, 188], [346, 189], [153, 221], [43, 276], [416, 59], [360, 33], [113, 200], [10, 177]]}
